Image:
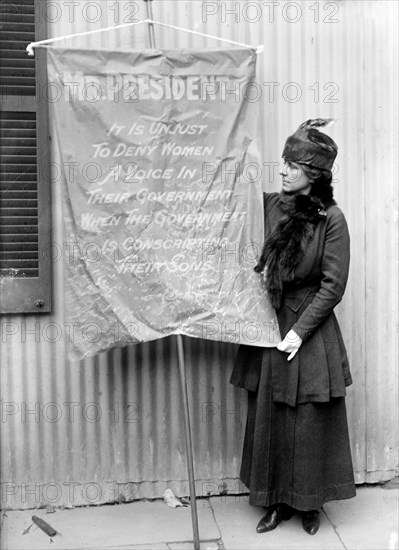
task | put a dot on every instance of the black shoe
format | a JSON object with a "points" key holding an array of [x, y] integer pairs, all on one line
{"points": [[269, 521], [311, 522], [286, 512]]}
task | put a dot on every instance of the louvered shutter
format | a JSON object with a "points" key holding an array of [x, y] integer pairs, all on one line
{"points": [[24, 154]]}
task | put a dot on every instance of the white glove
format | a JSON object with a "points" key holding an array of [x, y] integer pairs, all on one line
{"points": [[291, 344]]}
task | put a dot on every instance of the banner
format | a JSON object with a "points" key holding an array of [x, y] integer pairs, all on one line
{"points": [[161, 194]]}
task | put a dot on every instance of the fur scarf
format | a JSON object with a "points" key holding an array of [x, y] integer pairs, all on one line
{"points": [[284, 249]]}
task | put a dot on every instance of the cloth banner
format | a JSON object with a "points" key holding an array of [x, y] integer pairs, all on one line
{"points": [[161, 194]]}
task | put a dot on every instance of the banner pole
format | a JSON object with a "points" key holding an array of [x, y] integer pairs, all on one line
{"points": [[183, 380], [189, 448], [151, 33]]}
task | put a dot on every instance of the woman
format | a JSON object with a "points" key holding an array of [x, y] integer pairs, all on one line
{"points": [[296, 451]]}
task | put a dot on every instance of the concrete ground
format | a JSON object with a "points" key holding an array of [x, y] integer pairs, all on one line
{"points": [[367, 522]]}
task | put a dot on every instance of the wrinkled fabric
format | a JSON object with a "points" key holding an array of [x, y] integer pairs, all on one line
{"points": [[162, 211]]}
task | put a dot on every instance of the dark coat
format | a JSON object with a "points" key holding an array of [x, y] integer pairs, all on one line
{"points": [[320, 369]]}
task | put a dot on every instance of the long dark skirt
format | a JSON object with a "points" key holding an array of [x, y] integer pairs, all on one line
{"points": [[295, 455]]}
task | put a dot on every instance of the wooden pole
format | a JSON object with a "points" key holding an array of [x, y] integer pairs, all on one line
{"points": [[183, 380], [151, 33], [189, 448]]}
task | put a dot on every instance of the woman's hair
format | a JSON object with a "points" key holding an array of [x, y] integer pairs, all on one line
{"points": [[321, 183]]}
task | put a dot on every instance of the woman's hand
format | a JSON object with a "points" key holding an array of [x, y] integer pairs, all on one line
{"points": [[291, 344]]}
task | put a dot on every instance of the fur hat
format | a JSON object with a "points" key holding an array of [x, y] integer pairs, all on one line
{"points": [[309, 146]]}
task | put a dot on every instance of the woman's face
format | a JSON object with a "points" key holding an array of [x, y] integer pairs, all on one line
{"points": [[295, 180]]}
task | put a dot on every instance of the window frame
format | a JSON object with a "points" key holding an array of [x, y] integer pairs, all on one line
{"points": [[34, 294]]}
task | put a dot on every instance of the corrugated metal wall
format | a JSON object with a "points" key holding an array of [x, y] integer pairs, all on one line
{"points": [[109, 429]]}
